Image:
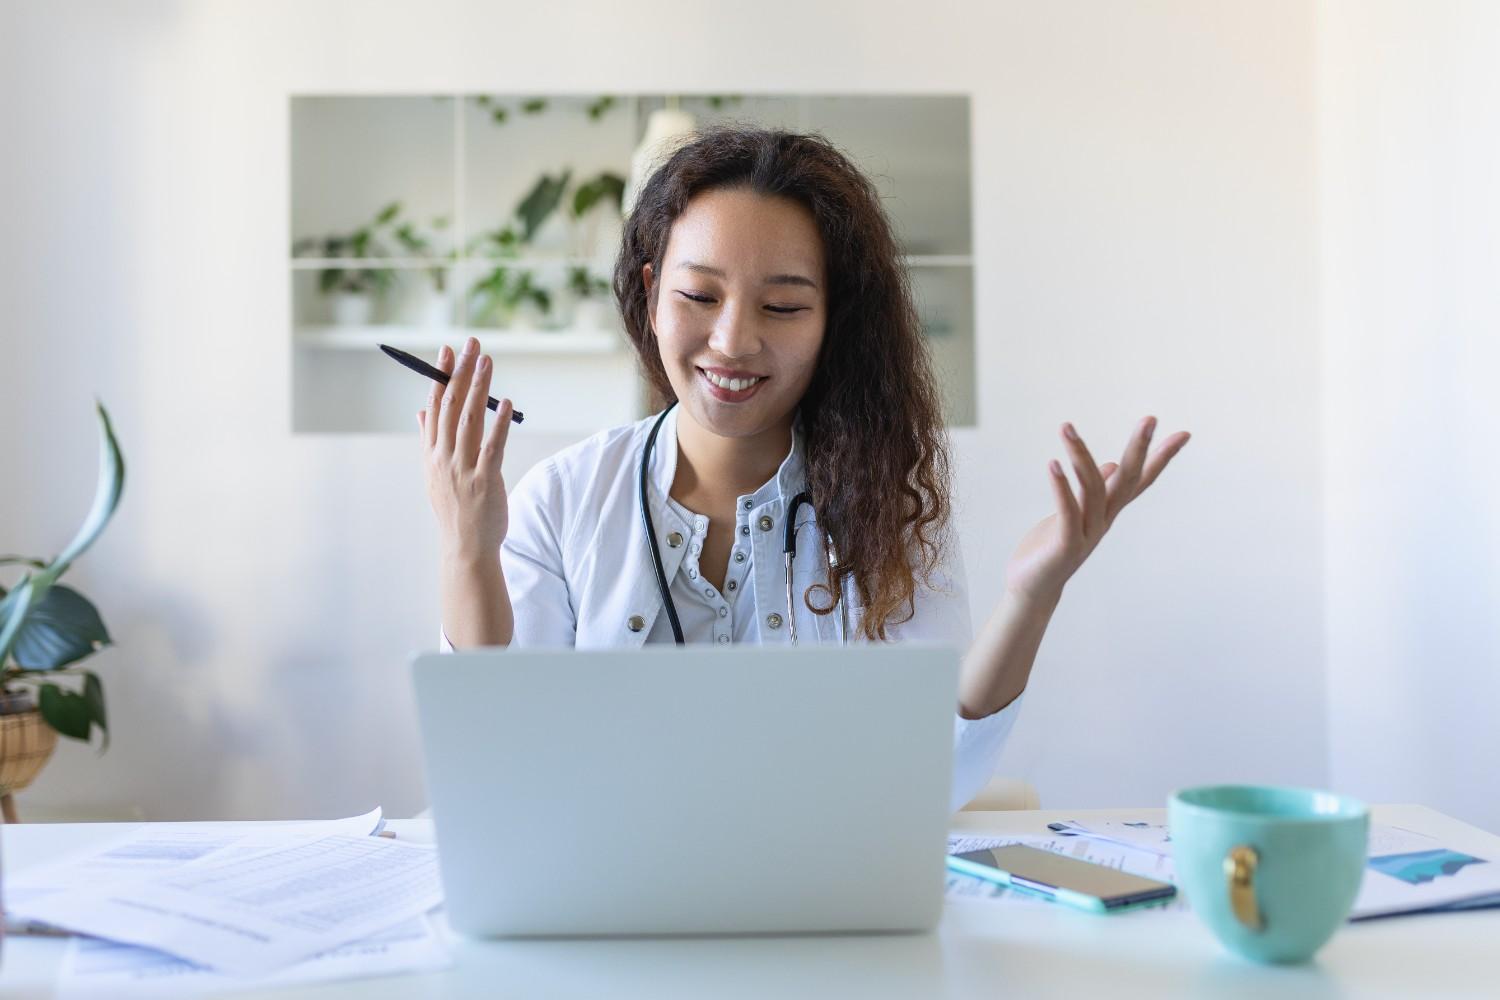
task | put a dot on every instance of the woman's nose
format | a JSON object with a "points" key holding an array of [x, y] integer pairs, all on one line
{"points": [[734, 334]]}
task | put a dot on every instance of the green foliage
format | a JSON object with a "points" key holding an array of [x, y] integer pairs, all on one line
{"points": [[46, 627], [371, 241], [585, 285]]}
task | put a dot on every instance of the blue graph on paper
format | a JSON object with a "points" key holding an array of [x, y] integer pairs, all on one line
{"points": [[1424, 866]]}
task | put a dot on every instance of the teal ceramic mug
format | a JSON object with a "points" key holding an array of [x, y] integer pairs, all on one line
{"points": [[1272, 871]]}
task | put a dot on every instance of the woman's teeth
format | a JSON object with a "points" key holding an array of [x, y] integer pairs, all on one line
{"points": [[732, 384]]}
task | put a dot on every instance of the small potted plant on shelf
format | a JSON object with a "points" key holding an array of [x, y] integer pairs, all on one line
{"points": [[353, 286], [432, 308], [45, 629], [592, 309]]}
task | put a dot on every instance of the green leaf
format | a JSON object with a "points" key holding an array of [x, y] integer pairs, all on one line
{"points": [[63, 628], [540, 201], [13, 611], [534, 106], [93, 695], [37, 563], [106, 497], [65, 711], [388, 213]]}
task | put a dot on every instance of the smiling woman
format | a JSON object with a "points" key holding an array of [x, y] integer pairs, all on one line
{"points": [[778, 264]]}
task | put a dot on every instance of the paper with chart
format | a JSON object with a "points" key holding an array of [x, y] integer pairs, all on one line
{"points": [[157, 847], [255, 913], [97, 968], [1118, 856], [1409, 872]]}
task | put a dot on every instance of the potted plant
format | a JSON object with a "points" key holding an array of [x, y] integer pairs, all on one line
{"points": [[592, 309], [45, 629], [352, 289], [432, 308], [506, 294], [597, 214]]}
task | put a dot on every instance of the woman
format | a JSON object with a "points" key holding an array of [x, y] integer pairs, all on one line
{"points": [[764, 292]]}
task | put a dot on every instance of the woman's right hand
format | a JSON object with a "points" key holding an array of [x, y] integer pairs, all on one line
{"points": [[463, 472]]}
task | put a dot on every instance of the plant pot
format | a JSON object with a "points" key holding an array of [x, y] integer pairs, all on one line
{"points": [[432, 309], [351, 308], [592, 314], [26, 744]]}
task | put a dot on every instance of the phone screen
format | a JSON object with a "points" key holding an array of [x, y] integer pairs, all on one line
{"points": [[1033, 868]]}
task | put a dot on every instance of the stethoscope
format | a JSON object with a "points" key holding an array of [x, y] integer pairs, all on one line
{"points": [[788, 548]]}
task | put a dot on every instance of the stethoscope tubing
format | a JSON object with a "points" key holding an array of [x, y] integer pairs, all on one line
{"points": [[789, 544]]}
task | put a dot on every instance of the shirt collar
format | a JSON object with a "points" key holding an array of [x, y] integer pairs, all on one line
{"points": [[790, 478]]}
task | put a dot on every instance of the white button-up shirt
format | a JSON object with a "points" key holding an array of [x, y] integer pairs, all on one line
{"points": [[578, 574]]}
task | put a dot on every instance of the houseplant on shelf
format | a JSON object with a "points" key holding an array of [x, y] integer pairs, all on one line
{"points": [[432, 308], [592, 308], [46, 628], [354, 285]]}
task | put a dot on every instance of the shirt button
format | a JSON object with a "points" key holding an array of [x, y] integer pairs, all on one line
{"points": [[700, 524], [766, 524], [708, 591], [692, 574], [723, 612], [636, 623], [749, 504], [732, 585], [744, 529], [739, 557], [675, 539], [723, 639], [773, 620]]}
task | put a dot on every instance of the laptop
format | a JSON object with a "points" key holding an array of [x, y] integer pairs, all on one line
{"points": [[690, 790]]}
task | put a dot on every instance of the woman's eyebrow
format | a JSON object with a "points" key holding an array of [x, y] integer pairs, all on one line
{"points": [[774, 279]]}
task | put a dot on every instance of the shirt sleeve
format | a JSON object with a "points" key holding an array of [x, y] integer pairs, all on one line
{"points": [[531, 559], [942, 615]]}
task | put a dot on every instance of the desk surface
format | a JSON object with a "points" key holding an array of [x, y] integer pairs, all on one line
{"points": [[981, 949]]}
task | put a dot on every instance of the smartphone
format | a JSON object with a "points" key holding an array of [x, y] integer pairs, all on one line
{"points": [[1083, 884]]}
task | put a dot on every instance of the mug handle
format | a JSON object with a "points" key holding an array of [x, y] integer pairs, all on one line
{"points": [[1239, 869]]}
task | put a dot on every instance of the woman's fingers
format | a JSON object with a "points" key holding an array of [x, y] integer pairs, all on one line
{"points": [[1159, 458], [492, 454], [471, 421], [1124, 489], [435, 397], [454, 396], [1067, 507], [1089, 480]]}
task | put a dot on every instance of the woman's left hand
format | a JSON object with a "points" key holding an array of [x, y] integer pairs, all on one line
{"points": [[1052, 551]]}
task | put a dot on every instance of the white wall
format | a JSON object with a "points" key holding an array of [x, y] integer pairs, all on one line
{"points": [[1144, 222], [1410, 148]]}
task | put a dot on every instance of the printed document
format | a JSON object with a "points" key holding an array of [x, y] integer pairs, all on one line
{"points": [[97, 968], [252, 913]]}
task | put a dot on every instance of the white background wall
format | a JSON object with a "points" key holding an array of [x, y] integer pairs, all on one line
{"points": [[1145, 239], [1411, 259]]}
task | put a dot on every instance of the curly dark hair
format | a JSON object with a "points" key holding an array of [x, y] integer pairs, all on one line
{"points": [[877, 461]]}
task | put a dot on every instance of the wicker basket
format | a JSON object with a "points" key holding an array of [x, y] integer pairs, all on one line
{"points": [[26, 741]]}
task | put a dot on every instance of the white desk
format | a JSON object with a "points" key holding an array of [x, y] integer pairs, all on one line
{"points": [[981, 949]]}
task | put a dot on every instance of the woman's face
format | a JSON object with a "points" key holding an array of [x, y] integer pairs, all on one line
{"points": [[741, 308]]}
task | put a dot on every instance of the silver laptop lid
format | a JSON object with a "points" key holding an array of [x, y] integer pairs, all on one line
{"points": [[690, 789]]}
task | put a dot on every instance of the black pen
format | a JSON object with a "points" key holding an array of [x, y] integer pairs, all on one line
{"points": [[421, 367]]}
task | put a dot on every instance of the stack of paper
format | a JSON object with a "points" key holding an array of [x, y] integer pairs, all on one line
{"points": [[275, 902]]}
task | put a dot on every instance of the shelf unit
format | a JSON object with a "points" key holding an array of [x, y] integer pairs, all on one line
{"points": [[352, 154]]}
